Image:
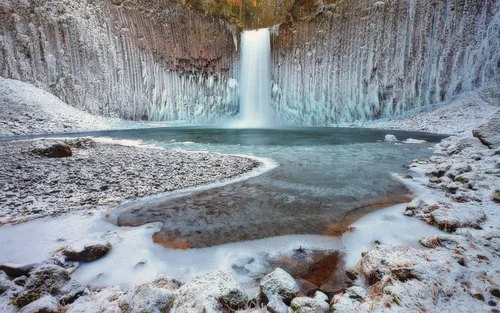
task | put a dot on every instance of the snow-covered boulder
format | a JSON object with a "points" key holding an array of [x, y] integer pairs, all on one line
{"points": [[211, 292], [49, 279], [279, 288], [415, 205], [318, 304], [155, 297], [450, 218], [46, 304], [390, 138], [489, 132]]}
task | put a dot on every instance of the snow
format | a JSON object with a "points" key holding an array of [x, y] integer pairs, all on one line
{"points": [[27, 109], [458, 115]]}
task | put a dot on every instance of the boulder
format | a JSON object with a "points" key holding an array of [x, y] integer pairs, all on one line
{"points": [[415, 205], [450, 219], [52, 280], [58, 150], [318, 304], [489, 132], [211, 292], [279, 288], [155, 297], [89, 253], [46, 304], [390, 138]]}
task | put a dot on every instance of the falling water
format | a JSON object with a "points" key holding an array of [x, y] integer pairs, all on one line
{"points": [[255, 80]]}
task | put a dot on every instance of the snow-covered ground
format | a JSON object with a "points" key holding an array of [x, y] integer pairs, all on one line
{"points": [[454, 117], [26, 109]]}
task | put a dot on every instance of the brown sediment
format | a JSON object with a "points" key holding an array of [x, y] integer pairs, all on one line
{"points": [[338, 229]]}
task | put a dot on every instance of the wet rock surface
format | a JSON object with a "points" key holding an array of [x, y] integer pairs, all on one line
{"points": [[89, 253], [99, 174]]}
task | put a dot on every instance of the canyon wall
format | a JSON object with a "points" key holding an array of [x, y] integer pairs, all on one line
{"points": [[342, 61], [147, 59], [334, 61]]}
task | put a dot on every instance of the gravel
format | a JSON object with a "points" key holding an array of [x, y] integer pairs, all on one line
{"points": [[99, 174]]}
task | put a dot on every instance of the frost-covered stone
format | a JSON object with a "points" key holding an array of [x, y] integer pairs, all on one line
{"points": [[416, 204], [318, 304], [390, 138], [53, 280], [209, 293], [279, 288], [449, 219], [280, 283], [154, 297], [489, 132], [46, 304], [356, 292]]}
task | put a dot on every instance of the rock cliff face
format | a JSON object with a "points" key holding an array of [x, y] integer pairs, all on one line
{"points": [[334, 61], [133, 59], [341, 61]]}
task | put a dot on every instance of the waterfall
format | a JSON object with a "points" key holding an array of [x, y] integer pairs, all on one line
{"points": [[255, 80]]}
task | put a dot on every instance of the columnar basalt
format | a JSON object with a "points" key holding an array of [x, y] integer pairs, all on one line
{"points": [[136, 60], [342, 61]]}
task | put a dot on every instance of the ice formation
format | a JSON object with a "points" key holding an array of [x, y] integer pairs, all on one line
{"points": [[360, 60]]}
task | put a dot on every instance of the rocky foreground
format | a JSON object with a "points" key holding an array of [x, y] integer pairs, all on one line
{"points": [[47, 177]]}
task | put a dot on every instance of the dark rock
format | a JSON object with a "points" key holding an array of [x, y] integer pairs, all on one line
{"points": [[89, 253], [495, 292], [478, 296], [57, 150], [14, 270]]}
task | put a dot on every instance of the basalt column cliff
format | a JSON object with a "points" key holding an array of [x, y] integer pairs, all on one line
{"points": [[342, 61], [130, 59]]}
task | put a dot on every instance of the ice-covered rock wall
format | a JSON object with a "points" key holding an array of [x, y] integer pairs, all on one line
{"points": [[341, 61], [132, 59]]}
